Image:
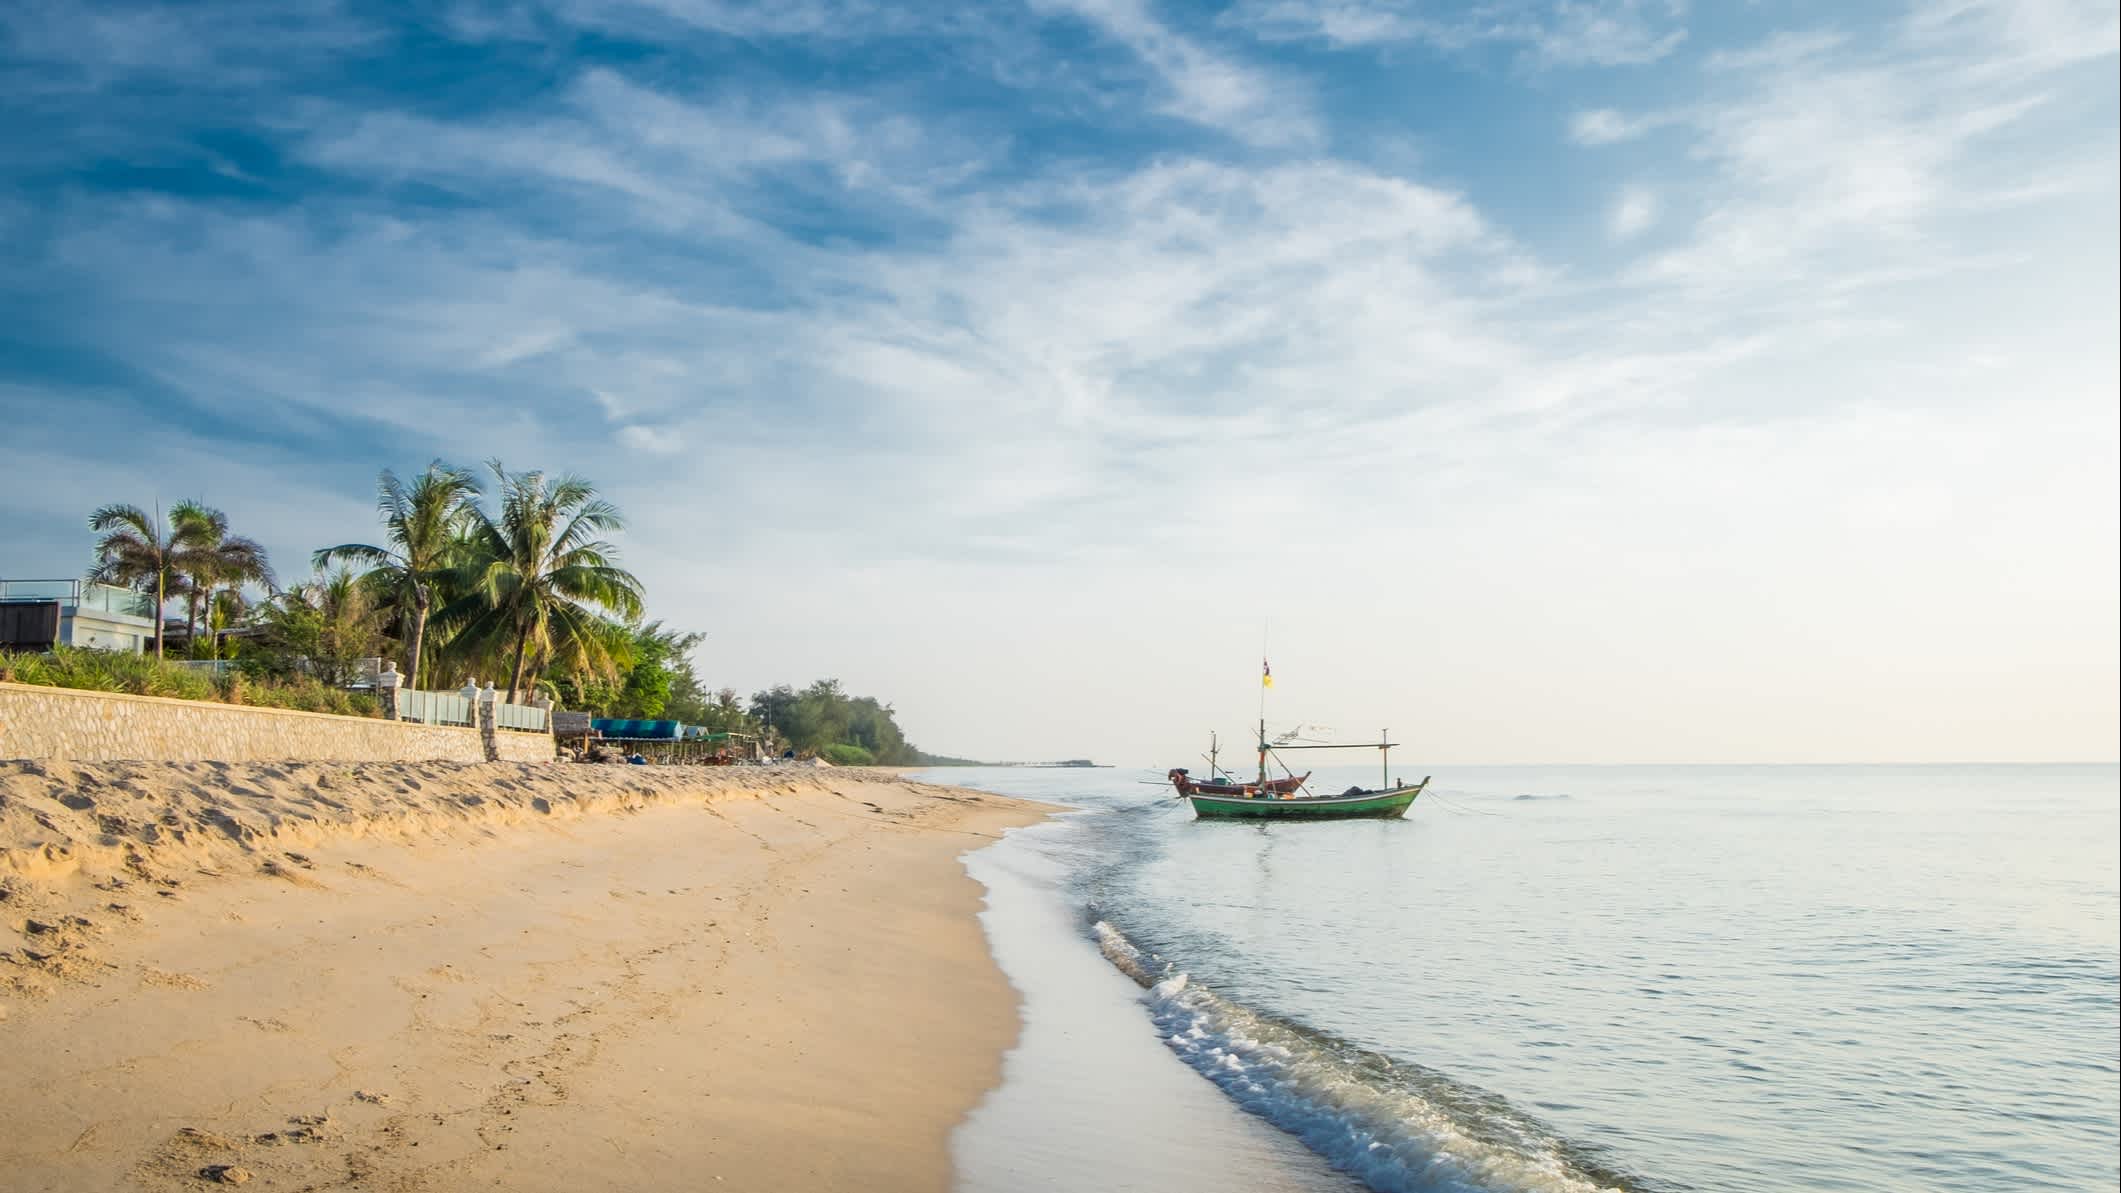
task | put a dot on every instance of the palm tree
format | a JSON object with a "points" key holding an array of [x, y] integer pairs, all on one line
{"points": [[214, 559], [225, 609], [237, 561], [420, 523], [135, 552], [536, 580]]}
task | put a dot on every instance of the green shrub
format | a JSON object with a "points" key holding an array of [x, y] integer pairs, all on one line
{"points": [[304, 694], [141, 675], [111, 671], [842, 754]]}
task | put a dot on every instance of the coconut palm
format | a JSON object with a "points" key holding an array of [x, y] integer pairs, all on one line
{"points": [[536, 582], [421, 522], [136, 552]]}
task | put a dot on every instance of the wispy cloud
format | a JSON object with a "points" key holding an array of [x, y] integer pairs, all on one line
{"points": [[1828, 155], [1197, 83], [67, 44], [1604, 126], [1550, 32]]}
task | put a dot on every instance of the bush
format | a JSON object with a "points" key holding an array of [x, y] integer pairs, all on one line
{"points": [[304, 694], [110, 671], [140, 675], [842, 754]]}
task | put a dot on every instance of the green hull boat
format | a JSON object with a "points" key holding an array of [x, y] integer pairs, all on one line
{"points": [[1388, 804], [1224, 796]]}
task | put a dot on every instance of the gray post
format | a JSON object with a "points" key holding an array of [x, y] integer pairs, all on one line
{"points": [[487, 729], [387, 688]]}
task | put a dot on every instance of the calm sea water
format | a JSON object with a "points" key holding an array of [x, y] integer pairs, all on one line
{"points": [[1744, 978]]}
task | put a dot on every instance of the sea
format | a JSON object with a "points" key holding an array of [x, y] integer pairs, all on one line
{"points": [[1879, 978]]}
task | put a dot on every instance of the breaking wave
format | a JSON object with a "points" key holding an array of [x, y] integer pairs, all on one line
{"points": [[1396, 1127]]}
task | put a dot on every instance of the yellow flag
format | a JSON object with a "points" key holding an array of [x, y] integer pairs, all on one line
{"points": [[1266, 674]]}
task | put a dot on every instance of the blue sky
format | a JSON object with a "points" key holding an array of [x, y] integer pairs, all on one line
{"points": [[1574, 379]]}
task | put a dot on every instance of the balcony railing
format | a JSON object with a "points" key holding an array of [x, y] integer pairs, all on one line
{"points": [[81, 594]]}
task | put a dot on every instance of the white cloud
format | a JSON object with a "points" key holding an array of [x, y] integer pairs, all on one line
{"points": [[656, 441], [1604, 126], [1632, 213]]}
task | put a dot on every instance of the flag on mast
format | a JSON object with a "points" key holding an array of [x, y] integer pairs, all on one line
{"points": [[1266, 674]]}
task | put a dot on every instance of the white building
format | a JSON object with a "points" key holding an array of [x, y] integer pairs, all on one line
{"points": [[39, 614]]}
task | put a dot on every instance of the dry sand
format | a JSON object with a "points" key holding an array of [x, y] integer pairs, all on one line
{"points": [[439, 977]]}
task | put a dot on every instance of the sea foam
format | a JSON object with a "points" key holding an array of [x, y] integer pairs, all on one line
{"points": [[1395, 1127]]}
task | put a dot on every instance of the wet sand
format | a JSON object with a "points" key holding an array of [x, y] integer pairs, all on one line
{"points": [[656, 979]]}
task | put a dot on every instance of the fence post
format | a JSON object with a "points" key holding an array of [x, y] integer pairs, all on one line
{"points": [[387, 688], [487, 730]]}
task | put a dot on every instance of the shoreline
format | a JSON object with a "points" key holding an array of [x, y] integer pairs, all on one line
{"points": [[431, 976]]}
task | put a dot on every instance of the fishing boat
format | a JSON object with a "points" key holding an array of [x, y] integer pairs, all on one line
{"points": [[1383, 803], [1228, 798]]}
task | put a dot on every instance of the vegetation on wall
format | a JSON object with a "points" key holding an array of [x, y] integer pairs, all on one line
{"points": [[146, 675]]}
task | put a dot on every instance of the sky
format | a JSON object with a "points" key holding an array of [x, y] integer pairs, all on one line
{"points": [[1571, 381]]}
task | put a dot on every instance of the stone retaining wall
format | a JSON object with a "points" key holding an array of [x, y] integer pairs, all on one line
{"points": [[516, 745], [41, 722]]}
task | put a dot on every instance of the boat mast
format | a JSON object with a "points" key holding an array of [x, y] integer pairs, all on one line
{"points": [[1264, 680]]}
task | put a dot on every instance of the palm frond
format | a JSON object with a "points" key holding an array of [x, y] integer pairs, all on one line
{"points": [[112, 517], [363, 554]]}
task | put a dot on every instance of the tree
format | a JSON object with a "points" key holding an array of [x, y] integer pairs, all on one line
{"points": [[658, 664], [135, 551], [214, 560], [322, 627], [823, 716], [537, 579], [421, 523], [224, 611]]}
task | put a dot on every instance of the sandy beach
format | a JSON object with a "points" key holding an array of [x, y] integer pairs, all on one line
{"points": [[436, 976]]}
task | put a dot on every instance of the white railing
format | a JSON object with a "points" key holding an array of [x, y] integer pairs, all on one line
{"points": [[451, 708], [528, 717], [216, 668], [433, 708]]}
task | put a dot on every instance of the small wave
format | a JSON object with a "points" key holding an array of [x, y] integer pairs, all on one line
{"points": [[1557, 795], [1395, 1127]]}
